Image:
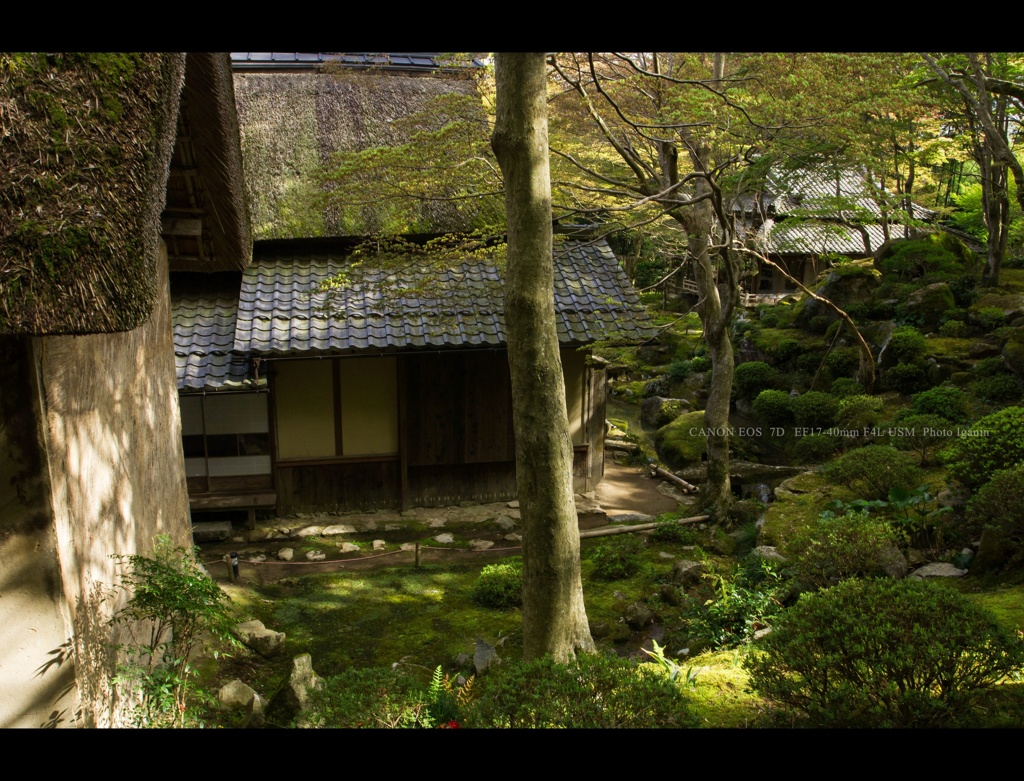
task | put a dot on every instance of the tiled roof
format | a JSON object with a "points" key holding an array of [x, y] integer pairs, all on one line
{"points": [[381, 60], [278, 315], [825, 193], [204, 332], [786, 237]]}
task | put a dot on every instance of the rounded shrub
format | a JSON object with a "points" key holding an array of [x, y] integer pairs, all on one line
{"points": [[618, 558], [990, 367], [815, 409], [945, 400], [859, 411], [999, 387], [907, 378], [955, 329], [701, 363], [500, 586], [872, 471], [680, 370], [993, 443], [846, 386], [752, 377], [773, 407], [924, 434], [814, 448], [853, 545], [591, 692], [843, 361], [907, 344], [999, 505], [883, 653], [669, 530]]}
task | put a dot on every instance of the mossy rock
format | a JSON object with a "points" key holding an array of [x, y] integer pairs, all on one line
{"points": [[1011, 304], [929, 303], [851, 283], [798, 502], [675, 443], [1013, 353]]}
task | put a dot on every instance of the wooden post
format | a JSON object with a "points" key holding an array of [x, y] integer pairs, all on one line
{"points": [[231, 570], [417, 555]]}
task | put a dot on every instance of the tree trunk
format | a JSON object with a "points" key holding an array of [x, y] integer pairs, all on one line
{"points": [[554, 617]]}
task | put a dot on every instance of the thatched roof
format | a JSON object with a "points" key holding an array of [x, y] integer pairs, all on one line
{"points": [[205, 220], [85, 140], [291, 123]]}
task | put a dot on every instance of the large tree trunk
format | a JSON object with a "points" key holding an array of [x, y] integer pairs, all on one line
{"points": [[554, 617]]}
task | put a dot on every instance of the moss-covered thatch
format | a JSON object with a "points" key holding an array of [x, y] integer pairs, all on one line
{"points": [[85, 141], [293, 122]]}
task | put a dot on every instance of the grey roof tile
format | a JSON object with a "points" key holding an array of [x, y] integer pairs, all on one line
{"points": [[279, 314]]}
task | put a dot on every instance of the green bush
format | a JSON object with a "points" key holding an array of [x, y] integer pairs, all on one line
{"points": [[815, 409], [815, 448], [773, 407], [924, 434], [990, 367], [907, 344], [859, 411], [672, 531], [618, 558], [846, 386], [946, 401], [745, 600], [808, 362], [883, 653], [752, 377], [591, 692], [500, 586], [872, 471], [954, 329], [843, 361], [999, 505], [819, 324], [853, 545], [701, 363], [976, 455], [1000, 387], [373, 698], [907, 378], [988, 318]]}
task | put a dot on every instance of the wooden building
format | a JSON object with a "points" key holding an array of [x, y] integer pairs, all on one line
{"points": [[362, 400]]}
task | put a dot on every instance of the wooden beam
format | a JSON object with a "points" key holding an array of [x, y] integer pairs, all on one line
{"points": [[176, 226]]}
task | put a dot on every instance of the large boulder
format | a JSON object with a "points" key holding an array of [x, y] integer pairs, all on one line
{"points": [[929, 303], [658, 411], [294, 698], [236, 696], [851, 283], [263, 641], [683, 441]]}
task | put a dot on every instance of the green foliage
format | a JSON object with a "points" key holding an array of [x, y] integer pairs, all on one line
{"points": [[883, 653], [843, 361], [997, 388], [174, 602], [873, 470], [846, 386], [999, 505], [924, 434], [752, 377], [680, 370], [990, 367], [618, 558], [907, 344], [935, 257], [854, 544], [591, 692], [674, 532], [988, 318], [815, 409], [859, 411], [701, 363], [907, 378], [993, 443], [746, 600], [946, 401], [500, 586], [814, 448], [954, 329], [773, 407]]}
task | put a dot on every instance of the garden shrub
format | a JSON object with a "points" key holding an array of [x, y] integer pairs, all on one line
{"points": [[846, 386], [819, 324], [859, 411], [923, 434], [975, 457], [999, 387], [873, 470], [500, 586], [815, 448], [999, 506], [701, 363], [669, 530], [815, 409], [988, 318], [907, 344], [990, 367], [852, 545], [591, 692], [745, 600], [618, 558], [752, 377], [372, 698], [808, 362], [907, 378], [949, 402], [883, 653], [843, 361], [773, 407], [680, 370], [955, 329]]}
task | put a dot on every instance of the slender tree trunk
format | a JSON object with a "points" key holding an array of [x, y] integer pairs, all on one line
{"points": [[554, 617]]}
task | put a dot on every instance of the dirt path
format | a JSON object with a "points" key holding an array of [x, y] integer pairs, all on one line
{"points": [[627, 489]]}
